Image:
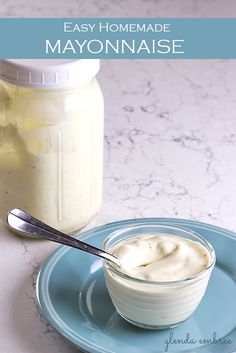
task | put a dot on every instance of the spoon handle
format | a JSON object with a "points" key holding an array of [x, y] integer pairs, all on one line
{"points": [[26, 224]]}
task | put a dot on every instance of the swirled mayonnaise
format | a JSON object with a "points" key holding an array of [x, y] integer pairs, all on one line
{"points": [[161, 257], [174, 273]]}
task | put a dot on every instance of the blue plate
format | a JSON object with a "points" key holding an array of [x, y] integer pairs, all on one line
{"points": [[72, 295]]}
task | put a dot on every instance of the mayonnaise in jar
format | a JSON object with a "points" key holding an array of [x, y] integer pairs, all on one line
{"points": [[51, 140]]}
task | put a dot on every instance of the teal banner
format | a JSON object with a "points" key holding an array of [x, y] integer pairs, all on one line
{"points": [[117, 38]]}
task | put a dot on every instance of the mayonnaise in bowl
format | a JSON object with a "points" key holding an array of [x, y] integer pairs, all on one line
{"points": [[163, 276]]}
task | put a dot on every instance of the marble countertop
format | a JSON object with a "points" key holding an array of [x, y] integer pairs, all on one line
{"points": [[170, 147]]}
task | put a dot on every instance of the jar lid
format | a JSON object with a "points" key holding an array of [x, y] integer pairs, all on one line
{"points": [[48, 73]]}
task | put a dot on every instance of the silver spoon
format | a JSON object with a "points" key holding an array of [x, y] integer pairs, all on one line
{"points": [[25, 224]]}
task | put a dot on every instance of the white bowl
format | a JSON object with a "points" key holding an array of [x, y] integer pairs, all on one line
{"points": [[153, 304]]}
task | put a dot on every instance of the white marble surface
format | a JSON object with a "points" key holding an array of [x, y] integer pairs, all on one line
{"points": [[170, 147]]}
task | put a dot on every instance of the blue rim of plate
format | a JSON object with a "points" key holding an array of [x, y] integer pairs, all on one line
{"points": [[43, 279]]}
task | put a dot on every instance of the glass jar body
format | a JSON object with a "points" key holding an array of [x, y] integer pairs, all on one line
{"points": [[51, 153]]}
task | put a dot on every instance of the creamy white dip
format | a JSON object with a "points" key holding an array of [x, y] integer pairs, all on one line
{"points": [[161, 257], [167, 278]]}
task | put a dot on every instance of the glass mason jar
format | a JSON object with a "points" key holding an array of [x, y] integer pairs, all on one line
{"points": [[51, 140]]}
